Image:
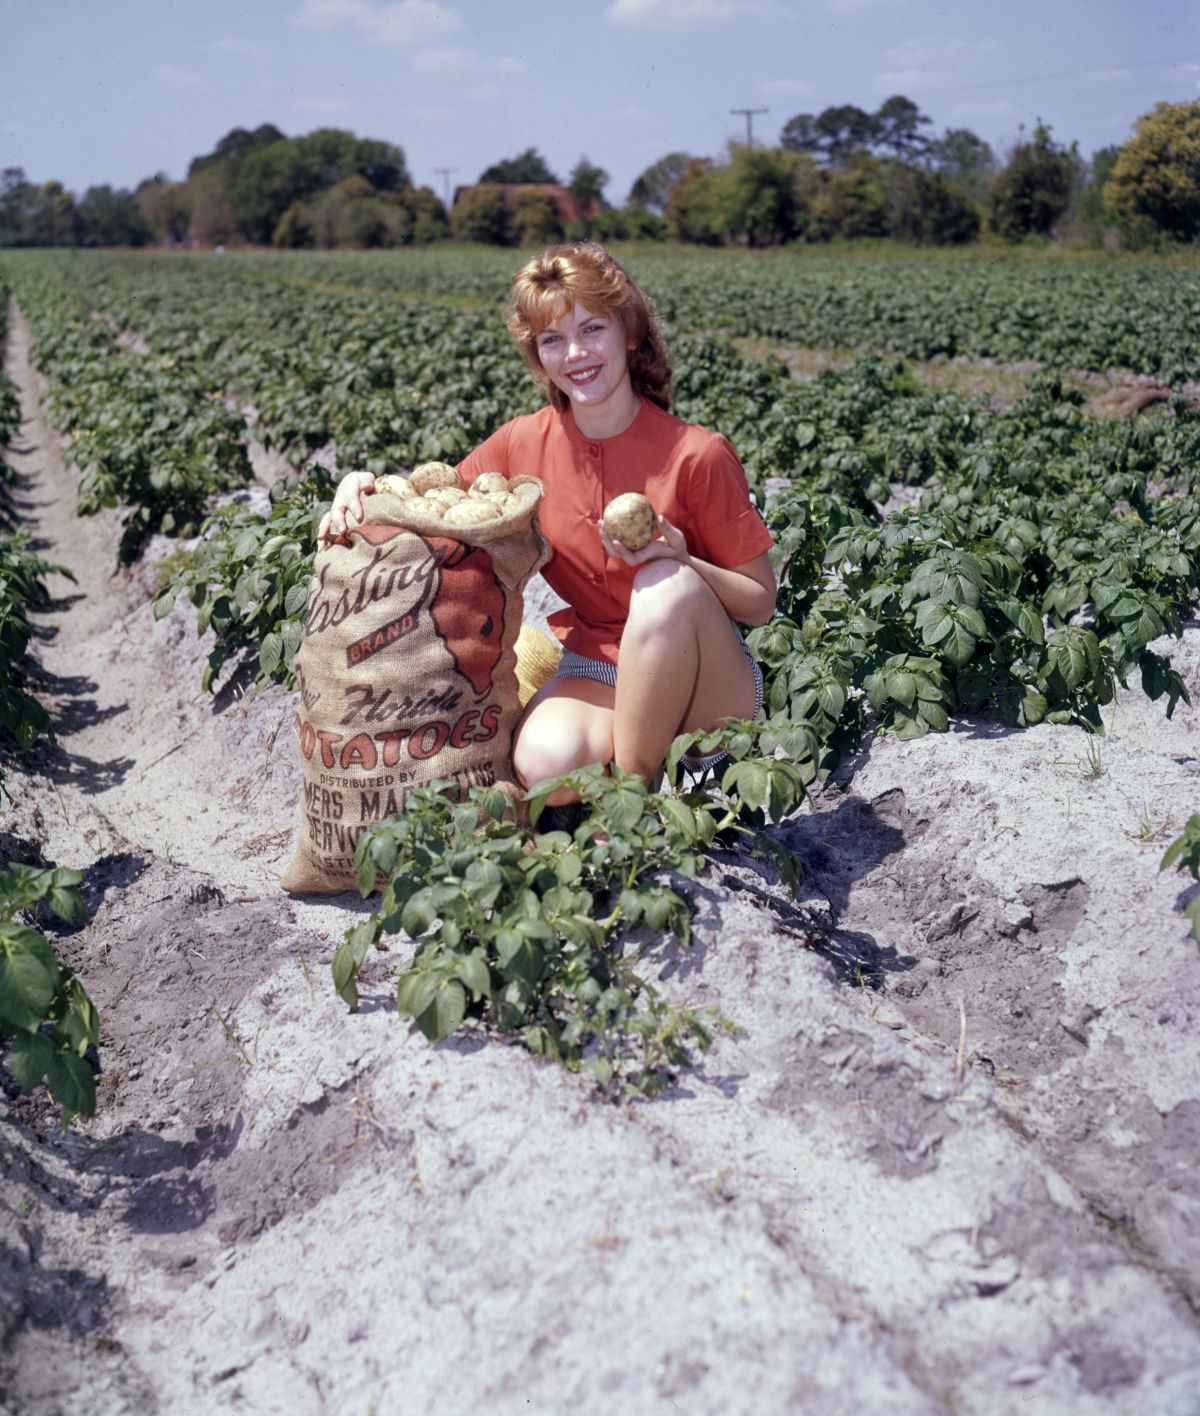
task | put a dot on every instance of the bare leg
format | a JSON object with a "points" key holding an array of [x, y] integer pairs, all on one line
{"points": [[681, 669], [566, 724], [681, 666]]}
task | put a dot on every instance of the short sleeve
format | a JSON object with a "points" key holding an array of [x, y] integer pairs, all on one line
{"points": [[728, 529]]}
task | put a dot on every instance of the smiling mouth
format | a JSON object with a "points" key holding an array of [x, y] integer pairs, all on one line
{"points": [[585, 376]]}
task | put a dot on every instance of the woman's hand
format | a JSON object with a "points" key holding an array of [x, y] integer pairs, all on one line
{"points": [[669, 544], [347, 508]]}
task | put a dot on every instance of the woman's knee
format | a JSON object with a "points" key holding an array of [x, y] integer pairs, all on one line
{"points": [[559, 736], [664, 590]]}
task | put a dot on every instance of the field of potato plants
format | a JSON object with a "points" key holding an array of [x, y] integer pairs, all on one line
{"points": [[878, 1086]]}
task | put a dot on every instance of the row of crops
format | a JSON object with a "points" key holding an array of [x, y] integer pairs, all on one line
{"points": [[1047, 549], [46, 1016], [1038, 554], [1067, 314]]}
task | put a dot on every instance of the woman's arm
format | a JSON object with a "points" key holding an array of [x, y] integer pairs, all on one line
{"points": [[746, 592]]}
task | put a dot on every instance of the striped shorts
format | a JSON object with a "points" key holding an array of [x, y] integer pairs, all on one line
{"points": [[571, 665]]}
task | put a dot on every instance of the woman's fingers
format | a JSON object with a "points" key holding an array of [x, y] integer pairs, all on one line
{"points": [[669, 544]]}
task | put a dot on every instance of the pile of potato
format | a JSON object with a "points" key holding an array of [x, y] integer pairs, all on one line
{"points": [[439, 489]]}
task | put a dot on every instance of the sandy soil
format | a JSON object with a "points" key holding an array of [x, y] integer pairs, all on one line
{"points": [[948, 1164]]}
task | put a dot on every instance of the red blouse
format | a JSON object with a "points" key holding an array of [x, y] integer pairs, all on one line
{"points": [[691, 476]]}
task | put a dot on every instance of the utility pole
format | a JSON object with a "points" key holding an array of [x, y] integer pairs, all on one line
{"points": [[444, 174], [749, 121]]}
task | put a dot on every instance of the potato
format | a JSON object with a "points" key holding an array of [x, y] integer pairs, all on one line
{"points": [[489, 484], [395, 484], [445, 496], [631, 520], [434, 474], [472, 511]]}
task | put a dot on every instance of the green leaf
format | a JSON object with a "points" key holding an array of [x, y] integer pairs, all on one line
{"points": [[29, 1059], [29, 976], [450, 1007], [72, 1084], [473, 970], [270, 653], [679, 815]]}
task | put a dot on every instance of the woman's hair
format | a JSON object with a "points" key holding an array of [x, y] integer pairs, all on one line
{"points": [[583, 271]]}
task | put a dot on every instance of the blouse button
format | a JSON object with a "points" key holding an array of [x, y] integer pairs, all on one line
{"points": [[593, 516], [593, 450], [597, 578]]}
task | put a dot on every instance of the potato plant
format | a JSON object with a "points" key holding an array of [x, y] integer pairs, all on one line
{"points": [[22, 584], [47, 1019], [530, 936], [1184, 854], [248, 578]]}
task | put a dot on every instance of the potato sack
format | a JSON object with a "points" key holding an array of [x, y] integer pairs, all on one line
{"points": [[406, 667]]}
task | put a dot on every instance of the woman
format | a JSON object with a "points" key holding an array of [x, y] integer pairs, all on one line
{"points": [[650, 649]]}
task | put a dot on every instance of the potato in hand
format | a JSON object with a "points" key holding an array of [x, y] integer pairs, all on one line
{"points": [[631, 520]]}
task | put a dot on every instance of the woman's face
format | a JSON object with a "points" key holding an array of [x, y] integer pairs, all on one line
{"points": [[584, 353]]}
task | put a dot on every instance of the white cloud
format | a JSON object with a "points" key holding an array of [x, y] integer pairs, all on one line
{"points": [[469, 63], [935, 61], [171, 77], [399, 22], [786, 88], [685, 14]]}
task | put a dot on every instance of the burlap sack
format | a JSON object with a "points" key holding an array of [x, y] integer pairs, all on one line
{"points": [[406, 670]]}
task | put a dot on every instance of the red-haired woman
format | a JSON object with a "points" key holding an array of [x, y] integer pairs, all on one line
{"points": [[650, 648]]}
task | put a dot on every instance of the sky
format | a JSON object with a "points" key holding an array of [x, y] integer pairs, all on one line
{"points": [[113, 91]]}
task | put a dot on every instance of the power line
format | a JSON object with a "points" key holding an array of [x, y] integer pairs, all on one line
{"points": [[444, 174], [749, 112]]}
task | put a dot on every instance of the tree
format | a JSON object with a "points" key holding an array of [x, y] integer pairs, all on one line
{"points": [[853, 202], [697, 204], [481, 214], [212, 220], [1090, 209], [108, 218], [586, 185], [897, 125], [652, 190], [235, 147], [271, 178], [52, 217], [295, 231], [528, 166], [769, 192], [1035, 187], [15, 199], [963, 159], [533, 218], [800, 134], [1155, 180], [841, 130], [429, 218], [926, 208], [165, 207]]}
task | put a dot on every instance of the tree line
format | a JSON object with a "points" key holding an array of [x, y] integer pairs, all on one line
{"points": [[843, 173]]}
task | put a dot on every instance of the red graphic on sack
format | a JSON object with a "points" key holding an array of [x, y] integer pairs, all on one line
{"points": [[468, 609]]}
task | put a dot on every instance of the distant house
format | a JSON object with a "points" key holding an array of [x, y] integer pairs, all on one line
{"points": [[565, 206]]}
